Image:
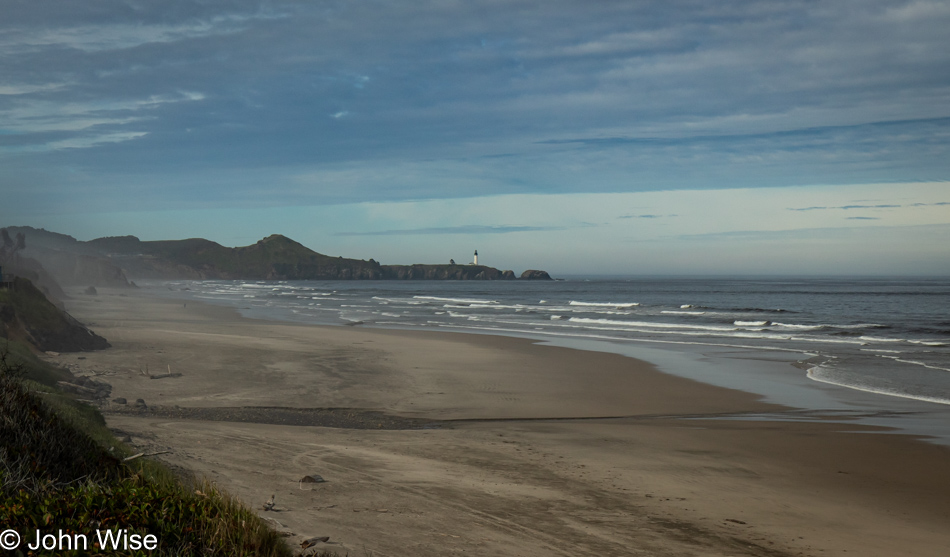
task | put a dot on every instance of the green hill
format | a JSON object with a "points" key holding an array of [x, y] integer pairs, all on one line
{"points": [[109, 261], [273, 258]]}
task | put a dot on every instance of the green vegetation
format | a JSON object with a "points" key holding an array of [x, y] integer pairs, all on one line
{"points": [[273, 258], [26, 313], [62, 470], [25, 299]]}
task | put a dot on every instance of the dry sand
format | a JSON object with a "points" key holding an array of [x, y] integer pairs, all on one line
{"points": [[504, 474]]}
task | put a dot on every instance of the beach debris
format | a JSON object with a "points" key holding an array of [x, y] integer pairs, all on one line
{"points": [[120, 400], [91, 291], [83, 385], [140, 404], [140, 455], [734, 520], [282, 531], [269, 505], [309, 542], [312, 479]]}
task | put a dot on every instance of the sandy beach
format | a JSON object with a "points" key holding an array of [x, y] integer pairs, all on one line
{"points": [[486, 445]]}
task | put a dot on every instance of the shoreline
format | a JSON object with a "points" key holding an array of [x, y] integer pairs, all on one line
{"points": [[656, 478], [777, 375]]}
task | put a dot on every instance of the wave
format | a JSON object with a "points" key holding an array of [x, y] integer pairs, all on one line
{"points": [[928, 342], [626, 339], [648, 325], [456, 300], [798, 327], [751, 323], [605, 304], [815, 375], [880, 339], [673, 312], [915, 362]]}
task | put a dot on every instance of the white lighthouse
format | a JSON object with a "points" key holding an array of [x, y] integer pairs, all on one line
{"points": [[476, 258]]}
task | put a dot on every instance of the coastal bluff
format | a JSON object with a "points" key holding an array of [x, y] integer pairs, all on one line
{"points": [[276, 257]]}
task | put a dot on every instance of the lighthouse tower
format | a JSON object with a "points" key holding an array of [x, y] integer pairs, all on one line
{"points": [[476, 258]]}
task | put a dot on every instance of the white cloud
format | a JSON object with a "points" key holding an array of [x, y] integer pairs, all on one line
{"points": [[118, 36], [93, 140]]}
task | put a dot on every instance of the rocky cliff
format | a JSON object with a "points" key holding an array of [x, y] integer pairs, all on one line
{"points": [[444, 272], [69, 261]]}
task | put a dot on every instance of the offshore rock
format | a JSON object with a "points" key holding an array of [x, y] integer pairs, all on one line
{"points": [[532, 274]]}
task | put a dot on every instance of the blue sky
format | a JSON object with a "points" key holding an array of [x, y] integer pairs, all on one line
{"points": [[606, 137]]}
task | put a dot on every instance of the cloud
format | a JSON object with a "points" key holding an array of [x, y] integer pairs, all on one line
{"points": [[644, 216], [479, 98], [882, 206], [470, 229], [862, 218], [844, 207]]}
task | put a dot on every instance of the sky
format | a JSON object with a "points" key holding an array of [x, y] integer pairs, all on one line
{"points": [[608, 137]]}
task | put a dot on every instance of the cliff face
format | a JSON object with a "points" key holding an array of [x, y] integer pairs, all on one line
{"points": [[32, 269], [68, 260], [444, 272], [26, 314]]}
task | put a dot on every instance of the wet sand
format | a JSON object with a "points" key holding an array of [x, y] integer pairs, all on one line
{"points": [[444, 443]]}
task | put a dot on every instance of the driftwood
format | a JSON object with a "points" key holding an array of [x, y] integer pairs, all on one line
{"points": [[314, 541], [67, 385], [140, 455]]}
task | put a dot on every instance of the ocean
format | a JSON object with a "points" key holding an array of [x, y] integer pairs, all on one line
{"points": [[888, 339]]}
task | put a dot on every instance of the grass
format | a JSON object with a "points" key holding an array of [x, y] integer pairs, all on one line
{"points": [[61, 469]]}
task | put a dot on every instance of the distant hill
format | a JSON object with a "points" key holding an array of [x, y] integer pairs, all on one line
{"points": [[111, 261], [273, 258], [70, 261]]}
